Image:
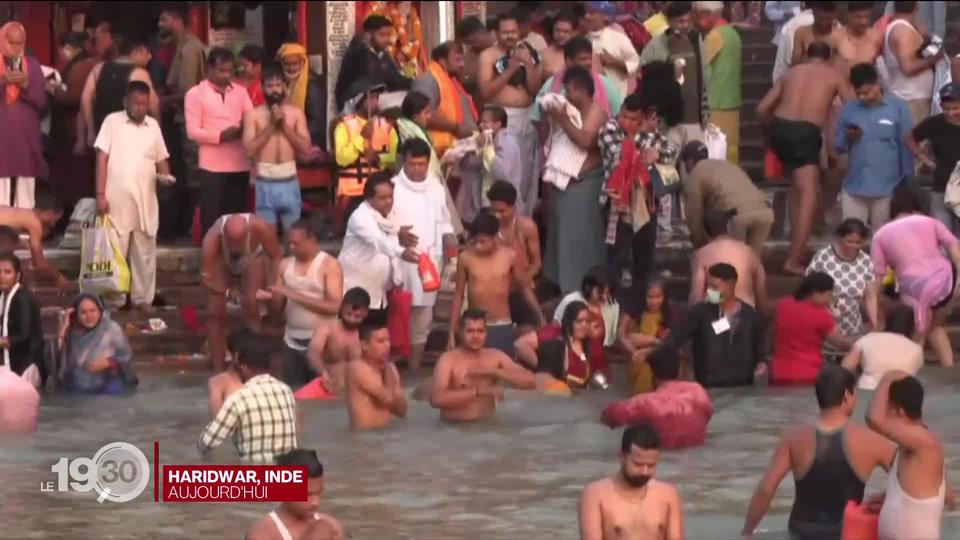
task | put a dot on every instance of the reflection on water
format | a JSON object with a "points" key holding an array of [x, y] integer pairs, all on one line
{"points": [[517, 476]]}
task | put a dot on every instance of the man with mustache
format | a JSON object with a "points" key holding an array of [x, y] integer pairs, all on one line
{"points": [[335, 343], [632, 504], [274, 134]]}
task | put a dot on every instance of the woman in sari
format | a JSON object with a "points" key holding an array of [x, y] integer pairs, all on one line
{"points": [[97, 357], [571, 352]]}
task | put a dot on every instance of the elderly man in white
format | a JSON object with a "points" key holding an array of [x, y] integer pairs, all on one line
{"points": [[374, 245]]}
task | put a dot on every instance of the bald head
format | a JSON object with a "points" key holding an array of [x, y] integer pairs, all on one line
{"points": [[235, 231]]}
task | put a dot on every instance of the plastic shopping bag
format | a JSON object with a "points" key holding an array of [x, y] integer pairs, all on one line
{"points": [[716, 142], [103, 269]]}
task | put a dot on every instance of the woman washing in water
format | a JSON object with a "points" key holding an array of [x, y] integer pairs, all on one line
{"points": [[643, 326], [97, 354]]}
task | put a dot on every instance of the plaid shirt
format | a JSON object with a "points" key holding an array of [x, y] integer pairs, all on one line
{"points": [[261, 415]]}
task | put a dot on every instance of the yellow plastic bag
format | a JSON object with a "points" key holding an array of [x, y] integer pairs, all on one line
{"points": [[103, 268]]}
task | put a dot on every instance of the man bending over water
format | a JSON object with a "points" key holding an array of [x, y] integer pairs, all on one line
{"points": [[374, 389], [465, 379], [337, 342], [299, 520], [221, 385], [632, 504]]}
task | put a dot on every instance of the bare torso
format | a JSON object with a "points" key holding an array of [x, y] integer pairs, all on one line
{"points": [[365, 413], [853, 49], [805, 35], [593, 116], [513, 237], [808, 91], [736, 254], [489, 281], [324, 527], [222, 385], [278, 149], [632, 514], [552, 62], [462, 363], [341, 346], [508, 96]]}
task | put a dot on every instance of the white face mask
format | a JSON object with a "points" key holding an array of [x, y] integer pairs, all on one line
{"points": [[713, 296]]}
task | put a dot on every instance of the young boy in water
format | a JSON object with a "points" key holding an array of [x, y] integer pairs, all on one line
{"points": [[227, 382]]}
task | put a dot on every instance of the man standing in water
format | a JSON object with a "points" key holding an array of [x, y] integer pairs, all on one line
{"points": [[465, 379], [916, 488], [335, 343], [299, 520], [632, 504], [831, 462], [794, 113], [374, 390]]}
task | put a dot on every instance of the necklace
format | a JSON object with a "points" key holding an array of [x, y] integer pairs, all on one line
{"points": [[513, 230]]}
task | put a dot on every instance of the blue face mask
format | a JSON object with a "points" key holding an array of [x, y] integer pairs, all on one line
{"points": [[713, 296]]}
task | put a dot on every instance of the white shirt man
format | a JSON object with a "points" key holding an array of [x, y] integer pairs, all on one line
{"points": [[785, 47]]}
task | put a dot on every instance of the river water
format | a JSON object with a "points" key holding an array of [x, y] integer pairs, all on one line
{"points": [[517, 476]]}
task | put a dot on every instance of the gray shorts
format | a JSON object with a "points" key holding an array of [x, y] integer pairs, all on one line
{"points": [[501, 336]]}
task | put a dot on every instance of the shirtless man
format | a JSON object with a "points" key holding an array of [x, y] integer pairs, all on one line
{"points": [[374, 390], [752, 282], [299, 520], [632, 504], [485, 273], [38, 223], [860, 42], [564, 28], [465, 379], [520, 234], [825, 28], [916, 488], [831, 460], [335, 343], [274, 134], [238, 247], [227, 382], [793, 114]]}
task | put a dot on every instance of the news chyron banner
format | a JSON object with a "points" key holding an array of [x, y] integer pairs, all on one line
{"points": [[120, 472]]}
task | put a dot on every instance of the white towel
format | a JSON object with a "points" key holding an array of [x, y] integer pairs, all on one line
{"points": [[564, 157]]}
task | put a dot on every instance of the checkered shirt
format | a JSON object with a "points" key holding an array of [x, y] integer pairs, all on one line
{"points": [[262, 418]]}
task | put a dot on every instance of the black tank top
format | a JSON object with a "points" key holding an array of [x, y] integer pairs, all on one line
{"points": [[111, 89], [823, 492]]}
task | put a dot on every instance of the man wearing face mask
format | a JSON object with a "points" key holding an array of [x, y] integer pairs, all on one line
{"points": [[632, 504], [131, 159]]}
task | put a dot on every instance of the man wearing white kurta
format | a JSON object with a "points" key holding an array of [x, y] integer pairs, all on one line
{"points": [[420, 202], [130, 154], [612, 48]]}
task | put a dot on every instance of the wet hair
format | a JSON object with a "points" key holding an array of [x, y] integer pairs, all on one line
{"points": [[256, 354], [375, 22], [904, 201], [472, 314], [469, 27], [272, 71], [415, 148], [575, 46], [825, 6], [443, 50], [854, 7], [715, 222], [485, 224], [73, 39], [852, 226], [595, 278], [664, 363], [238, 336], [723, 272], [678, 9], [862, 74], [312, 228], [641, 435], [413, 104], [46, 200], [175, 11], [507, 16], [369, 327], [8, 256], [819, 49], [904, 8], [580, 77], [252, 53], [356, 297], [569, 318], [8, 235], [138, 87], [833, 383], [502, 191], [814, 282], [218, 55], [900, 320], [302, 457], [498, 112], [376, 179], [907, 394]]}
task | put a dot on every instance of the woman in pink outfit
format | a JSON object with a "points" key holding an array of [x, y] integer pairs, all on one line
{"points": [[913, 245]]}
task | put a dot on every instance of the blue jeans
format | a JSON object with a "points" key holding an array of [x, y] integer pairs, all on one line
{"points": [[279, 201]]}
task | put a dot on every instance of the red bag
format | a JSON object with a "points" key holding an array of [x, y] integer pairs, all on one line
{"points": [[429, 276], [772, 166], [399, 306]]}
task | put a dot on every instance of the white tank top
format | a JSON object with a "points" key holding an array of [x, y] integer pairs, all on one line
{"points": [[301, 322], [281, 528], [919, 86], [904, 518]]}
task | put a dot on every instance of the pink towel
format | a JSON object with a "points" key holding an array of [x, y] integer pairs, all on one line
{"points": [[599, 90]]}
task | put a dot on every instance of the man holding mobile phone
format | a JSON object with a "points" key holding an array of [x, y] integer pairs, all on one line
{"points": [[23, 97]]}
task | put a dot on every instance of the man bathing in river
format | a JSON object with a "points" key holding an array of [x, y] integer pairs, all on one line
{"points": [[221, 385], [632, 504], [299, 520], [374, 390], [337, 342], [465, 379]]}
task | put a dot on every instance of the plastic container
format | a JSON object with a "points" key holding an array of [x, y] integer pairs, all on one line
{"points": [[859, 523]]}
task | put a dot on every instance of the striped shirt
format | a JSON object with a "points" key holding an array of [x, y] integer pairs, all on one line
{"points": [[262, 417]]}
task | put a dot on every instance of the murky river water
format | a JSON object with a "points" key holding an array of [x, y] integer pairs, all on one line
{"points": [[517, 476]]}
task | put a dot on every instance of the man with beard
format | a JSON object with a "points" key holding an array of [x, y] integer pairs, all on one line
{"points": [[455, 115], [274, 134], [632, 504], [335, 343], [131, 160], [306, 92], [373, 384]]}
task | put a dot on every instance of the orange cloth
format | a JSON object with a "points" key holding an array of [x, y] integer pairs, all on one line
{"points": [[12, 91], [450, 107]]}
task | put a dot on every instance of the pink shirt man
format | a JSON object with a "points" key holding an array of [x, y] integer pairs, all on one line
{"points": [[208, 112]]}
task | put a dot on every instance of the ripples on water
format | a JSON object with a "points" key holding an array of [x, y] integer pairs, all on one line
{"points": [[516, 476]]}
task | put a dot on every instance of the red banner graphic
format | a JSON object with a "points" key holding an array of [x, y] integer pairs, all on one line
{"points": [[234, 483]]}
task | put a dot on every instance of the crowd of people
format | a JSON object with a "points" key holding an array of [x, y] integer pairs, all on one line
{"points": [[516, 160]]}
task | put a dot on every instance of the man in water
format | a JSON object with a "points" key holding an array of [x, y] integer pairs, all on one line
{"points": [[632, 504], [752, 281], [37, 223], [221, 385], [465, 379], [238, 247], [274, 134], [831, 461], [794, 113], [299, 520], [485, 272], [335, 343], [916, 488], [374, 390]]}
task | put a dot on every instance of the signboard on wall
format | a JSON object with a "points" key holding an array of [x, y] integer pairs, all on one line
{"points": [[473, 9], [341, 25]]}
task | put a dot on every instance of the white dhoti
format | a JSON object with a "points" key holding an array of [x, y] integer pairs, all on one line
{"points": [[24, 193], [522, 128]]}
